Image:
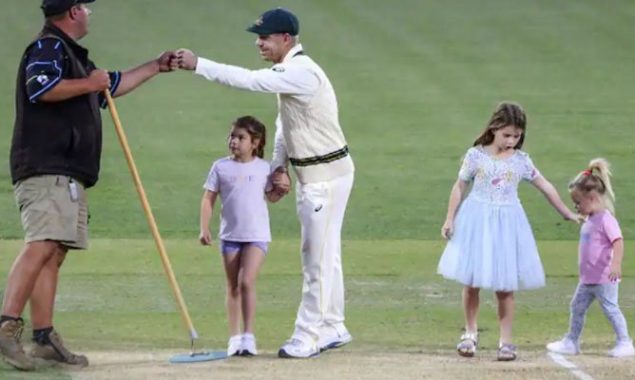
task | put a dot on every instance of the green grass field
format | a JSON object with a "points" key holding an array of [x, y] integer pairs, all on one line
{"points": [[416, 83]]}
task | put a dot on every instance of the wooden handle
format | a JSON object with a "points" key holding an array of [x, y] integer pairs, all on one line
{"points": [[150, 217]]}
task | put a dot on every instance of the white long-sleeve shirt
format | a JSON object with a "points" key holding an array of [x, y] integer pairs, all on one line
{"points": [[307, 126]]}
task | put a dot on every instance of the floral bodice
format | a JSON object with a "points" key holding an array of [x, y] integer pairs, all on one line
{"points": [[496, 179]]}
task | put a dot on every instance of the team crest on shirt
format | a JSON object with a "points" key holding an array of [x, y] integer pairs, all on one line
{"points": [[278, 69], [42, 79]]}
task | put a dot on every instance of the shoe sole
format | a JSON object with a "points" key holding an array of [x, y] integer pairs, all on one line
{"points": [[466, 354], [333, 346], [49, 362], [337, 344], [18, 366], [284, 355], [564, 353], [629, 355], [568, 353]]}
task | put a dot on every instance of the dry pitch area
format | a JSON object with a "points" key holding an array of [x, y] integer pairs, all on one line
{"points": [[351, 364]]}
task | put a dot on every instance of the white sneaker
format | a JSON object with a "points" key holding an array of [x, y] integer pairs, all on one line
{"points": [[623, 350], [249, 345], [296, 348], [564, 346], [331, 338], [234, 345]]}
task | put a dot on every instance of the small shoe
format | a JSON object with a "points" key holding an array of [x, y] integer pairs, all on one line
{"points": [[248, 345], [467, 345], [332, 338], [10, 346], [507, 352], [564, 346], [623, 350], [234, 345], [297, 349]]}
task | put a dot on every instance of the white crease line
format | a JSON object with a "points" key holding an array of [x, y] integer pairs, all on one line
{"points": [[575, 371]]}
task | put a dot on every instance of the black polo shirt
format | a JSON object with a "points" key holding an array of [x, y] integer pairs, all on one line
{"points": [[58, 138]]}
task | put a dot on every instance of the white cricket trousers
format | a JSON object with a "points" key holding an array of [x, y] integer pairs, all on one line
{"points": [[321, 207]]}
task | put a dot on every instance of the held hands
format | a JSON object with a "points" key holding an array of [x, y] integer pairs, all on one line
{"points": [[185, 60], [574, 217], [281, 181], [447, 230], [205, 238]]}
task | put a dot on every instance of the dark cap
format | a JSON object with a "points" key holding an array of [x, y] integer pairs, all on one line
{"points": [[278, 20], [55, 7]]}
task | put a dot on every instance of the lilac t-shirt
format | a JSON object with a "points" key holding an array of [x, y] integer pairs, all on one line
{"points": [[597, 236], [242, 186]]}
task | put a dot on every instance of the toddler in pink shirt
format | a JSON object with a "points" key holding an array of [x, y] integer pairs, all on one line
{"points": [[600, 258]]}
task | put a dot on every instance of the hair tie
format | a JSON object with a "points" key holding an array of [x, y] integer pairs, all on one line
{"points": [[587, 172]]}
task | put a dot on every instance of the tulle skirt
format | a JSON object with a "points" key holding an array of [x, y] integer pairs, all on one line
{"points": [[492, 248]]}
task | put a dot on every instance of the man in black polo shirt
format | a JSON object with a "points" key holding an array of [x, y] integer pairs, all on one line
{"points": [[55, 154]]}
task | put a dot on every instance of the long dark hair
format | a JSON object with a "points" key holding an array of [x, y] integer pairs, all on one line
{"points": [[256, 130], [505, 114]]}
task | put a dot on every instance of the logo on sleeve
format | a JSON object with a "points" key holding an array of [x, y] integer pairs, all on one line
{"points": [[278, 69], [42, 79]]}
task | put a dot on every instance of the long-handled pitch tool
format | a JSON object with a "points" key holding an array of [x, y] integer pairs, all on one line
{"points": [[182, 358]]}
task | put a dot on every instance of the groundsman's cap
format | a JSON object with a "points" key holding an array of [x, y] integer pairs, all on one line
{"points": [[278, 20], [55, 7]]}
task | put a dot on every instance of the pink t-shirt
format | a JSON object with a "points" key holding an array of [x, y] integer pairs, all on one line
{"points": [[597, 236], [242, 186]]}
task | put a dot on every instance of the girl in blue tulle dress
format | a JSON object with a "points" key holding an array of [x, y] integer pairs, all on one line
{"points": [[490, 242]]}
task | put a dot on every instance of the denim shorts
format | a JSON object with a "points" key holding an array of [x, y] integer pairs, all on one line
{"points": [[228, 246]]}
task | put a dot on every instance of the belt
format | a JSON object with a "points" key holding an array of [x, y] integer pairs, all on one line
{"points": [[316, 160]]}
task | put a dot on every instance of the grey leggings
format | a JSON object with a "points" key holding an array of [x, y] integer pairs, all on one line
{"points": [[606, 294]]}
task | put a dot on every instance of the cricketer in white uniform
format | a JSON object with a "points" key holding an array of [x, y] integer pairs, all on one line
{"points": [[309, 136]]}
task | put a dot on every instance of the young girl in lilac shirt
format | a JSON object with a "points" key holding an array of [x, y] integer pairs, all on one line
{"points": [[242, 181], [600, 259]]}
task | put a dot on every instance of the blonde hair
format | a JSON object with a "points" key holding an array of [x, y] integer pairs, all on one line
{"points": [[597, 177]]}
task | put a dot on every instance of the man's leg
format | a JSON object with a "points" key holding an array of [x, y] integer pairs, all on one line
{"points": [[48, 344], [313, 209], [333, 333], [321, 208], [24, 274], [21, 284], [42, 299], [70, 225]]}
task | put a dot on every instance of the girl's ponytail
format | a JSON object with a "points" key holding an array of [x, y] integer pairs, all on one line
{"points": [[596, 177]]}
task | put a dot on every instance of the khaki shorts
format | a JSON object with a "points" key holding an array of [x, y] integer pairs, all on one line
{"points": [[53, 207]]}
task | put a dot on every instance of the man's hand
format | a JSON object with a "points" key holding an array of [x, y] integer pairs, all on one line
{"points": [[99, 80], [281, 181], [167, 61], [186, 60]]}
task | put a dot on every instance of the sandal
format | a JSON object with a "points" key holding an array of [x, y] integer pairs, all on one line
{"points": [[467, 345], [507, 352]]}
